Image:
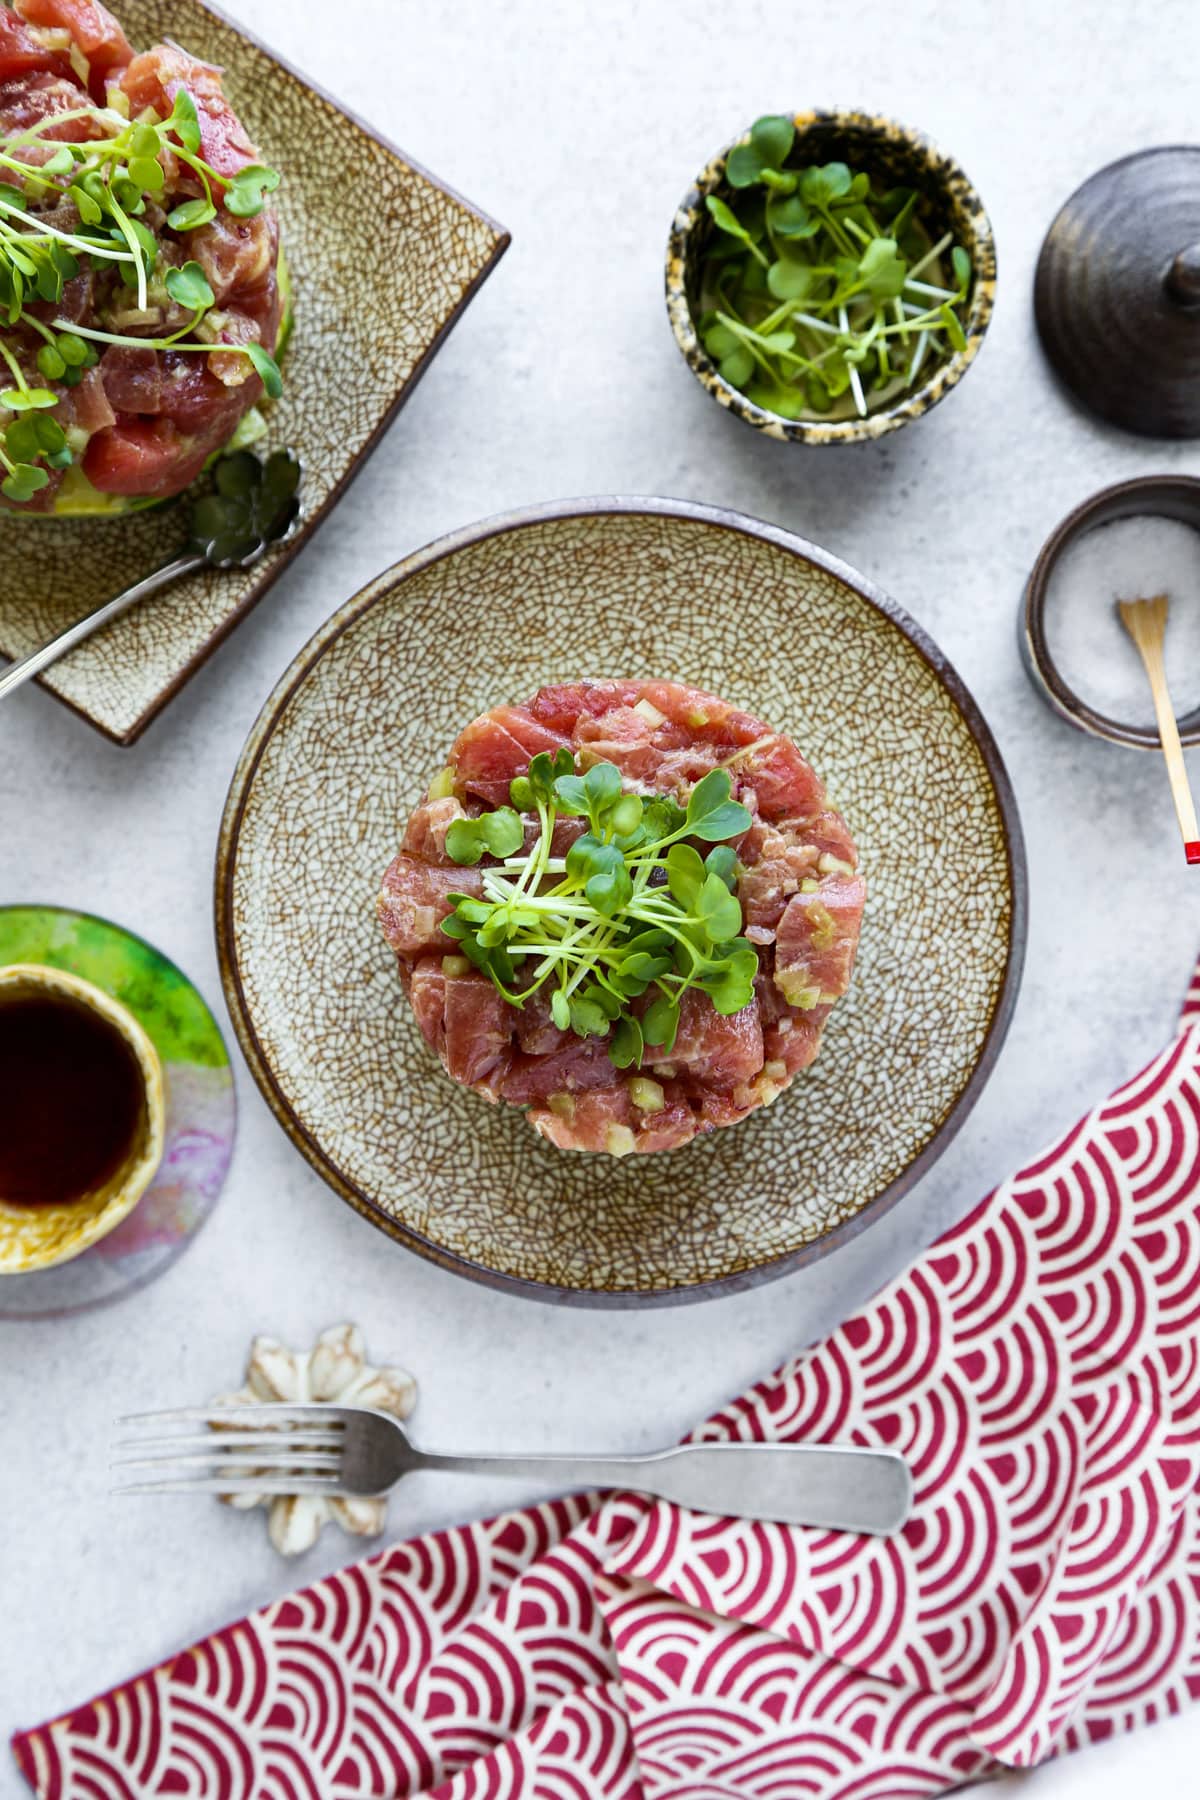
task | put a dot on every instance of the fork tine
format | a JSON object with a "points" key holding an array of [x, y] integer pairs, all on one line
{"points": [[305, 1485], [236, 1442], [316, 1461], [326, 1418]]}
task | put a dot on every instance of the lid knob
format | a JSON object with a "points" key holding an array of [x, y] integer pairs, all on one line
{"points": [[1182, 281]]}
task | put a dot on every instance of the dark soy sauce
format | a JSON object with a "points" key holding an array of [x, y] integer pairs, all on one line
{"points": [[72, 1097]]}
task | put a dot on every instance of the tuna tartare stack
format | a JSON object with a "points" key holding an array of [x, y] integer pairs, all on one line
{"points": [[142, 296], [627, 908]]}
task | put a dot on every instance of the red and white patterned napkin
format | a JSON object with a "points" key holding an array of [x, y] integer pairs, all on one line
{"points": [[1039, 1367]]}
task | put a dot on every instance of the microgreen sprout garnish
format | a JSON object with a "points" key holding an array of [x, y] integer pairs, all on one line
{"points": [[819, 291], [633, 910], [69, 208]]}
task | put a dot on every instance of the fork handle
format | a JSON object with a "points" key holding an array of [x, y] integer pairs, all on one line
{"points": [[834, 1487], [41, 658]]}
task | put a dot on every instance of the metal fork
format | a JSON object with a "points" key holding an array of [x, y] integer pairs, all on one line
{"points": [[349, 1450]]}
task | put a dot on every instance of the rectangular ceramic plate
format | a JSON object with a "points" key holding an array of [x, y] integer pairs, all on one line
{"points": [[440, 250]]}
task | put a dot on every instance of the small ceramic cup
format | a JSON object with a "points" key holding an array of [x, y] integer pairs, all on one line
{"points": [[1163, 496], [895, 155], [38, 1237]]}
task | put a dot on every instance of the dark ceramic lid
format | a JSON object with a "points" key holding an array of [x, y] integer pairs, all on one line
{"points": [[1117, 293]]}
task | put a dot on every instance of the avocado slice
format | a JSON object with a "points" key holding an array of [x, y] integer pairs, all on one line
{"points": [[78, 499]]}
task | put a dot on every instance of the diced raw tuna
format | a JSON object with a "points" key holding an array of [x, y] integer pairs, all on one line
{"points": [[132, 379], [783, 781], [817, 939], [621, 736], [92, 27], [791, 1037], [667, 1129], [29, 100], [161, 453], [562, 708], [155, 77], [427, 992], [719, 1050], [717, 1109], [478, 1027], [425, 833], [76, 300], [412, 903], [22, 54], [496, 748], [88, 405], [603, 1121], [237, 255], [139, 457], [776, 864], [462, 1017], [578, 1065], [566, 830], [800, 908], [829, 835], [536, 1032], [196, 401]]}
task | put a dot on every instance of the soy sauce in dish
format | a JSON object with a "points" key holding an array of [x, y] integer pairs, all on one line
{"points": [[72, 1097]]}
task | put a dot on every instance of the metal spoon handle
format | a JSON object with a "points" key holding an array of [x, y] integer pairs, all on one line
{"points": [[37, 660], [835, 1487]]}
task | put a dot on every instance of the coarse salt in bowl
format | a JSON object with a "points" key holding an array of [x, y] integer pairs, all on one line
{"points": [[1132, 541]]}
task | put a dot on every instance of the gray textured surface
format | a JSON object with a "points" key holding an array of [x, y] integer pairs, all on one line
{"points": [[580, 130]]}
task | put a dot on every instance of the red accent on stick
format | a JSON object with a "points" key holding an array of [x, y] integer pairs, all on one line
{"points": [[1192, 851]]}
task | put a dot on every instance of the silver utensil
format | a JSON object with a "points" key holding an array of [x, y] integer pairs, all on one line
{"points": [[348, 1450], [254, 506]]}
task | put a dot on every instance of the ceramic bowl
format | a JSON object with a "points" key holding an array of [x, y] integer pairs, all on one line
{"points": [[345, 747], [1164, 496], [40, 1237], [898, 156]]}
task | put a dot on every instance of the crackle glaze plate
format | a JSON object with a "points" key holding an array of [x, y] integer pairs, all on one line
{"points": [[439, 250], [345, 747]]}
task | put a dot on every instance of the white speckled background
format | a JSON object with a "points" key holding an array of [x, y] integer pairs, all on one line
{"points": [[579, 128]]}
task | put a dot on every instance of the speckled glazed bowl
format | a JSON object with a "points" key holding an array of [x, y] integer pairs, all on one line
{"points": [[346, 745], [898, 156]]}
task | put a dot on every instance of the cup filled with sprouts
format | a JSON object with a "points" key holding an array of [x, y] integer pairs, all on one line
{"points": [[830, 276]]}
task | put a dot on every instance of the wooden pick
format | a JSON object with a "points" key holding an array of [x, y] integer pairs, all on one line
{"points": [[1146, 623]]}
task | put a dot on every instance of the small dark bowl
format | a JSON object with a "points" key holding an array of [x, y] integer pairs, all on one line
{"points": [[1160, 496], [896, 155]]}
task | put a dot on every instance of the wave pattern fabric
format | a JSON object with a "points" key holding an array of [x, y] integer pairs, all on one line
{"points": [[1039, 1367]]}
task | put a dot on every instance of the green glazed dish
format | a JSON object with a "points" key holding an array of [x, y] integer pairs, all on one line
{"points": [[200, 1102]]}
